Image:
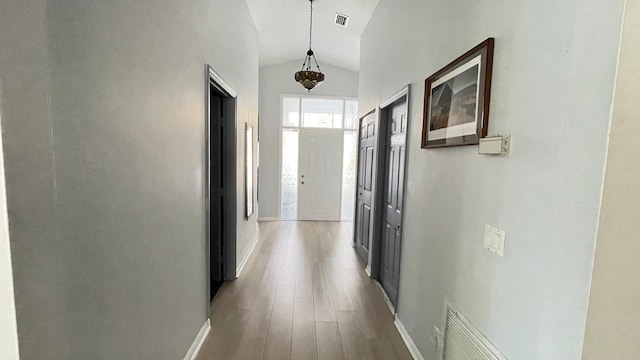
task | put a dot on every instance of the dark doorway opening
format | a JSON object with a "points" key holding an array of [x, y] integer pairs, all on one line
{"points": [[220, 181]]}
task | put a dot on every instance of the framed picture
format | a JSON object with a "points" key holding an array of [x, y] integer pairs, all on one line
{"points": [[248, 169], [456, 100]]}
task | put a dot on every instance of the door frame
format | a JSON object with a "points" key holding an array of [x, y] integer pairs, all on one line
{"points": [[381, 178], [229, 211]]}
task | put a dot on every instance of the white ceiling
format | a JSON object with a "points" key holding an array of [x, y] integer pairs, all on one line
{"points": [[283, 27]]}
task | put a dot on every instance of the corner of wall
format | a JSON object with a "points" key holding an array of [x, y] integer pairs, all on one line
{"points": [[8, 323]]}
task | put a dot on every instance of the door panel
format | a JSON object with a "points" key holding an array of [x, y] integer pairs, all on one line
{"points": [[401, 178], [385, 242], [368, 175], [392, 213], [390, 180], [320, 182], [365, 226], [366, 166]]}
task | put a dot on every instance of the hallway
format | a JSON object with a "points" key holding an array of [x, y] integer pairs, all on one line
{"points": [[302, 295]]}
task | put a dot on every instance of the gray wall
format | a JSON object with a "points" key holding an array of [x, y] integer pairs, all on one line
{"points": [[552, 90], [38, 271], [277, 80], [613, 322], [103, 120]]}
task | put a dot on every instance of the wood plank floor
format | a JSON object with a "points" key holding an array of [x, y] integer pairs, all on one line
{"points": [[302, 295]]}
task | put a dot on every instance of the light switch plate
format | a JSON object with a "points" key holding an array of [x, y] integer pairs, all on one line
{"points": [[494, 240]]}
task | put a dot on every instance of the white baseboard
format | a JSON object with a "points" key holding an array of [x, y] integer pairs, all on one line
{"points": [[244, 261], [413, 349], [268, 219], [199, 341]]}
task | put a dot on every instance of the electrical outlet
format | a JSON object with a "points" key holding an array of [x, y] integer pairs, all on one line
{"points": [[436, 337]]}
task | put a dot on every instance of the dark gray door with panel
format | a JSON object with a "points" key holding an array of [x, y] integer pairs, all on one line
{"points": [[390, 242], [366, 170]]}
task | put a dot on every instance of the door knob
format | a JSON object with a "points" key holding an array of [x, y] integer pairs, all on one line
{"points": [[303, 183]]}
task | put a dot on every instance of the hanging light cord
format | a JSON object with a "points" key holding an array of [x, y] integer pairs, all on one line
{"points": [[307, 59], [310, 24]]}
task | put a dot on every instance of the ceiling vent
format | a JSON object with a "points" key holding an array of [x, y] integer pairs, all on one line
{"points": [[342, 20]]}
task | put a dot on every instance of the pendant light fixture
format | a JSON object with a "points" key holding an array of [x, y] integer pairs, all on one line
{"points": [[307, 77]]}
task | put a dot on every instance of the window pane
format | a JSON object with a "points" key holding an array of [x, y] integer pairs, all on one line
{"points": [[322, 113], [289, 174], [349, 174], [351, 114], [290, 111]]}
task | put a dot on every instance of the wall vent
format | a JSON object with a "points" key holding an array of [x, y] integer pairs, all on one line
{"points": [[462, 341], [342, 20]]}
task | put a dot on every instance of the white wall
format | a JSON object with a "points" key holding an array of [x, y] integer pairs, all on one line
{"points": [[552, 89], [613, 323], [103, 120], [276, 80], [8, 327]]}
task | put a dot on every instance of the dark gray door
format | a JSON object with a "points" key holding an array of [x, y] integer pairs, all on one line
{"points": [[393, 198], [366, 168]]}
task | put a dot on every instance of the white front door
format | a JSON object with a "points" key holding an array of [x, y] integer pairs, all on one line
{"points": [[320, 174]]}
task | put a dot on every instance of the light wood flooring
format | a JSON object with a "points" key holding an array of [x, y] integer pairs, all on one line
{"points": [[302, 295]]}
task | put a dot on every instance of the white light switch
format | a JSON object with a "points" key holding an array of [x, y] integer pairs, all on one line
{"points": [[494, 240]]}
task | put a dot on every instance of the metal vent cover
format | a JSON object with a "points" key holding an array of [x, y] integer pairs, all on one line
{"points": [[341, 20], [462, 341]]}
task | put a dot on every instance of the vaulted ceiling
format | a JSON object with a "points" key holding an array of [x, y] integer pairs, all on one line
{"points": [[283, 28]]}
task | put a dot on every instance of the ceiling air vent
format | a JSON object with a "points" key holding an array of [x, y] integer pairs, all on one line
{"points": [[342, 20]]}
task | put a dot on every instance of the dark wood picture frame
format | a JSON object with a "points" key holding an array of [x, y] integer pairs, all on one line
{"points": [[482, 101]]}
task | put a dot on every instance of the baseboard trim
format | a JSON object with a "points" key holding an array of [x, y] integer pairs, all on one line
{"points": [[268, 219], [199, 341], [244, 261], [413, 349]]}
